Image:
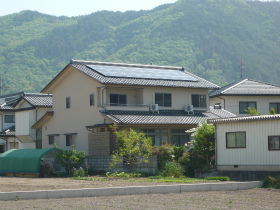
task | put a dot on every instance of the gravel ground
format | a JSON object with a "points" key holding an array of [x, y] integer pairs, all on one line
{"points": [[242, 199]]}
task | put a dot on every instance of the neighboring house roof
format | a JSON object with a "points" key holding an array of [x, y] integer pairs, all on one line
{"points": [[247, 87], [176, 117], [112, 76], [8, 132], [245, 119], [7, 101], [37, 99]]}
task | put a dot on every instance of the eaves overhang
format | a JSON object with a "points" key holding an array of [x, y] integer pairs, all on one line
{"points": [[39, 124]]}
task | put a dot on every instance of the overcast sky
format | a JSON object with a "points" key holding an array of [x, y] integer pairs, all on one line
{"points": [[76, 7]]}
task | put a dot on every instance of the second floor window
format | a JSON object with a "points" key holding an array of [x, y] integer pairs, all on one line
{"points": [[91, 99], [243, 106], [68, 103], [9, 118], [199, 101], [117, 99], [275, 106], [163, 99]]}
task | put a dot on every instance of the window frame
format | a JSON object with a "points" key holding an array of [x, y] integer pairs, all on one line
{"points": [[269, 149], [227, 147], [72, 139], [51, 140], [199, 101], [9, 115], [68, 102], [277, 111], [91, 99], [118, 99], [247, 102], [165, 101]]}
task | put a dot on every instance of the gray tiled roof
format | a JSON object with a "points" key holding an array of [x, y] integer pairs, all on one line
{"points": [[176, 117], [82, 66], [8, 132], [247, 87], [38, 99], [245, 119], [7, 101]]}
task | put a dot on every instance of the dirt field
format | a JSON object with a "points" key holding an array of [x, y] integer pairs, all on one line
{"points": [[243, 199]]}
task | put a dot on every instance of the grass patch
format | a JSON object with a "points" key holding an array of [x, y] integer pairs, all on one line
{"points": [[218, 178]]}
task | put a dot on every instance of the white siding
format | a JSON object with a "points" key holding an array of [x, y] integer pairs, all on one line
{"points": [[22, 123], [256, 151]]}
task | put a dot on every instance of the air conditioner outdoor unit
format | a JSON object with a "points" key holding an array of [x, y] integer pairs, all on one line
{"points": [[189, 109], [154, 107]]}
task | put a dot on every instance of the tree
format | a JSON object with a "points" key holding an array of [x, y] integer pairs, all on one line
{"points": [[69, 159], [203, 144], [132, 148], [252, 111]]}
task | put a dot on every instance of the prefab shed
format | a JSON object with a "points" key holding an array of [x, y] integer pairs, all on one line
{"points": [[249, 143]]}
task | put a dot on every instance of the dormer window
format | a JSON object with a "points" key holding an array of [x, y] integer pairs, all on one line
{"points": [[163, 99]]}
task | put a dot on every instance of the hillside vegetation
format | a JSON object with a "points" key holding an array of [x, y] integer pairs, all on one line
{"points": [[207, 37]]}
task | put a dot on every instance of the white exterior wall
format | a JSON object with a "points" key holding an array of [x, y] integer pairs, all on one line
{"points": [[22, 123], [78, 87], [256, 155], [232, 103]]}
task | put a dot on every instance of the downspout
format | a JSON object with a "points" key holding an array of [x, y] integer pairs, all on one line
{"points": [[216, 148], [224, 102]]}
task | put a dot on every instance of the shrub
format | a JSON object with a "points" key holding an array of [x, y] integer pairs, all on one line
{"points": [[218, 178], [78, 172], [172, 169], [270, 182], [178, 152], [124, 174], [165, 154]]}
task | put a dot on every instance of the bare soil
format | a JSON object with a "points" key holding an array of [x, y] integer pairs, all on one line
{"points": [[243, 199]]}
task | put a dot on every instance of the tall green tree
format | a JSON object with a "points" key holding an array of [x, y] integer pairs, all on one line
{"points": [[132, 148], [204, 142]]}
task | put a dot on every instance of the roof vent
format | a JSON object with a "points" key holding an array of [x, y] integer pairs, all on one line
{"points": [[189, 109], [217, 106], [154, 108]]}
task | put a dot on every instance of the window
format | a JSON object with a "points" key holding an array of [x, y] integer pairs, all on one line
{"points": [[70, 139], [275, 106], [245, 105], [236, 140], [199, 101], [179, 137], [9, 118], [51, 139], [14, 145], [117, 99], [163, 99], [68, 103], [91, 99], [273, 143]]}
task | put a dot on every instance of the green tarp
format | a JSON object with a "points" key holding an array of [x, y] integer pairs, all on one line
{"points": [[22, 160]]}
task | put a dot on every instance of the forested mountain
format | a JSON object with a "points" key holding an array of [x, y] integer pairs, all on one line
{"points": [[207, 37]]}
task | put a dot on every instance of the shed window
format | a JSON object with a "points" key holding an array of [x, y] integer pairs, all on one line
{"points": [[163, 99], [245, 105], [273, 143], [199, 101], [236, 140]]}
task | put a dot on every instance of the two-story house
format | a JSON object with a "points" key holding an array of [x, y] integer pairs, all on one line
{"points": [[88, 97], [29, 108], [238, 96], [8, 139]]}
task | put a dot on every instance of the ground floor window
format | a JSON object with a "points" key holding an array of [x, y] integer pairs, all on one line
{"points": [[159, 136], [2, 148], [70, 139], [14, 145], [273, 143], [179, 137], [236, 140]]}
